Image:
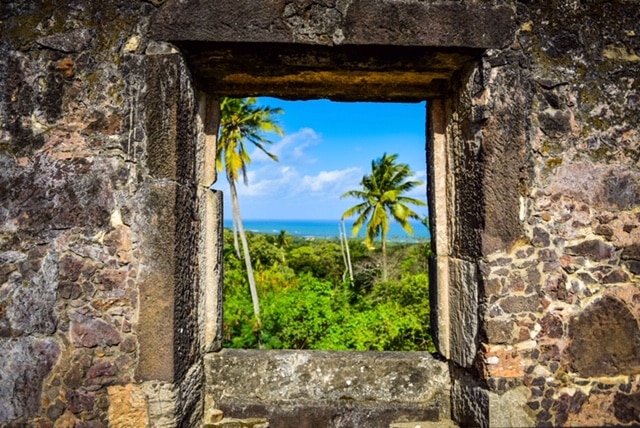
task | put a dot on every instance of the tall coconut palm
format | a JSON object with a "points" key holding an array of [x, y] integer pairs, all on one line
{"points": [[382, 194], [243, 125]]}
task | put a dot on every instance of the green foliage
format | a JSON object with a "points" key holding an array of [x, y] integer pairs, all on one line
{"points": [[263, 251], [323, 260], [305, 304]]}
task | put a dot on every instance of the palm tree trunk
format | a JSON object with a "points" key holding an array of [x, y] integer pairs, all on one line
{"points": [[235, 235], [245, 248], [384, 257], [344, 255], [344, 243]]}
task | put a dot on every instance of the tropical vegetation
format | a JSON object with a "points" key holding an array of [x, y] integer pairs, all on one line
{"points": [[306, 304], [324, 294]]}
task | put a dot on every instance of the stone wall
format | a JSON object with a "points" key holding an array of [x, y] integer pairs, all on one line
{"points": [[546, 196], [101, 153], [107, 224]]}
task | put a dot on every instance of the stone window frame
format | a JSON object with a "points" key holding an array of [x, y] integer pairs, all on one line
{"points": [[398, 51], [439, 189]]}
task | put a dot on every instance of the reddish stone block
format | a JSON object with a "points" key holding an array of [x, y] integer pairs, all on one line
{"points": [[93, 332], [507, 362]]}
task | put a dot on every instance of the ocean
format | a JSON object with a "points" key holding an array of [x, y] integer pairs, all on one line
{"points": [[325, 229]]}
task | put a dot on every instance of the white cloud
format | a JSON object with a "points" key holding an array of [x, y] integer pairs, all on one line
{"points": [[291, 146], [269, 181], [331, 181], [286, 180]]}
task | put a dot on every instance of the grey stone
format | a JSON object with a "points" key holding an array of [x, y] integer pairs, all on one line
{"points": [[82, 189], [469, 402], [622, 189], [72, 41], [595, 249], [358, 388], [518, 304], [312, 39], [615, 276], [556, 123], [631, 252], [499, 331], [380, 22], [463, 311], [30, 301], [634, 266], [508, 409], [160, 48], [540, 237], [24, 365]]}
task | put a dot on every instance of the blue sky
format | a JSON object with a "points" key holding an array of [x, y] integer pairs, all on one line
{"points": [[327, 148]]}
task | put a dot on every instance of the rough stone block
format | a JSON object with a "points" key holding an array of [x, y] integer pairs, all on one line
{"points": [[303, 388], [469, 402], [91, 332], [605, 340], [508, 409], [371, 22], [27, 298], [298, 49], [463, 311], [128, 406], [594, 249], [82, 188], [155, 327]]}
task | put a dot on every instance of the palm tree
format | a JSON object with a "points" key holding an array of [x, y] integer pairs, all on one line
{"points": [[283, 240], [381, 194], [241, 123]]}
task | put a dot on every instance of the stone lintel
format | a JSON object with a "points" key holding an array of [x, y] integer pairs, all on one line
{"points": [[298, 71], [353, 51], [480, 25]]}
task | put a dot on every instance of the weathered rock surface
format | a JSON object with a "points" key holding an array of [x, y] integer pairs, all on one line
{"points": [[605, 340], [319, 388], [361, 22], [24, 366], [357, 50]]}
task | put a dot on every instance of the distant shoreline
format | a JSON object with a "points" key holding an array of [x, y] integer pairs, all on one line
{"points": [[327, 229]]}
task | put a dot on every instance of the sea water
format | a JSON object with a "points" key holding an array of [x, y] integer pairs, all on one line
{"points": [[326, 229]]}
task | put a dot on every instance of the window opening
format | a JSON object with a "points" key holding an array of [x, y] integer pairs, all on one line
{"points": [[291, 212]]}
